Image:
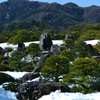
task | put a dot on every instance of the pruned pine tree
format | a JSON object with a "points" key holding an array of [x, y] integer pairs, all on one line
{"points": [[54, 67], [84, 73]]}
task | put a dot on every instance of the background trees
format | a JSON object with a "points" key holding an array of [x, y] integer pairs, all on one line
{"points": [[90, 35], [22, 36]]}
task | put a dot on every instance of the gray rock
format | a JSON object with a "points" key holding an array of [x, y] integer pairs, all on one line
{"points": [[5, 78], [35, 90], [45, 42], [29, 76], [29, 59], [55, 49], [6, 61], [90, 48], [69, 36], [42, 59], [21, 47], [2, 51]]}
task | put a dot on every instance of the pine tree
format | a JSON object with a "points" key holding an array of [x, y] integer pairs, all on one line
{"points": [[54, 67], [84, 73], [15, 61]]}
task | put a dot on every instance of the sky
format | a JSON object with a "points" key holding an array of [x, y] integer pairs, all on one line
{"points": [[82, 3]]}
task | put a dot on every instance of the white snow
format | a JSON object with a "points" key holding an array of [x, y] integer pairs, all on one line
{"points": [[57, 95], [6, 95], [15, 74], [58, 42], [92, 42], [4, 45]]}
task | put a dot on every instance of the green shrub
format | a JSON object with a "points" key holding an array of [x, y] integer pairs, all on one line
{"points": [[54, 67], [9, 49], [27, 68], [13, 86], [5, 68], [6, 78], [2, 58], [83, 76]]}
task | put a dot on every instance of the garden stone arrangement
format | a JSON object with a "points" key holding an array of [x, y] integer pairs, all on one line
{"points": [[47, 48], [35, 89]]}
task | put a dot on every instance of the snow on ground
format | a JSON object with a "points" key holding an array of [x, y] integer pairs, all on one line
{"points": [[92, 42], [58, 42], [57, 95], [15, 74], [6, 95], [4, 45]]}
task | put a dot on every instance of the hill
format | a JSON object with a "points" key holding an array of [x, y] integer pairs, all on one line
{"points": [[53, 15]]}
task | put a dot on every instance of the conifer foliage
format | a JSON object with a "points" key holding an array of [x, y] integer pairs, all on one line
{"points": [[84, 73]]}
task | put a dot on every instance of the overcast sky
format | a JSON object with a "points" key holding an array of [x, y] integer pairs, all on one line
{"points": [[82, 3]]}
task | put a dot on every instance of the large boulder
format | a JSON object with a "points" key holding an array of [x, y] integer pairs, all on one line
{"points": [[6, 78], [21, 47], [35, 90], [45, 42]]}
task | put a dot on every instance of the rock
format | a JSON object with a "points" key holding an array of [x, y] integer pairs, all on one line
{"points": [[69, 36], [29, 59], [35, 90], [6, 78], [6, 62], [45, 42], [55, 49], [29, 76], [42, 59], [2, 51], [90, 48], [21, 47]]}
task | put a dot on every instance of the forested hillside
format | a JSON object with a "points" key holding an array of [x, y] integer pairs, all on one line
{"points": [[19, 18], [54, 15]]}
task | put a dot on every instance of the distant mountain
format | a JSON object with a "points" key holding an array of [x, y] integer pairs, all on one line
{"points": [[53, 15]]}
